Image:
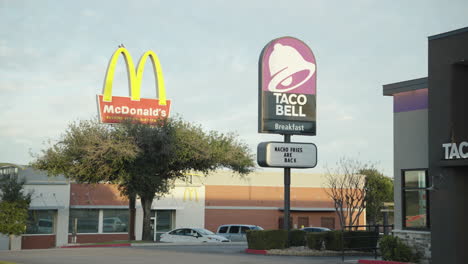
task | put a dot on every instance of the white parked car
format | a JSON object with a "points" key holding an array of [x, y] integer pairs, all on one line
{"points": [[236, 233], [191, 235]]}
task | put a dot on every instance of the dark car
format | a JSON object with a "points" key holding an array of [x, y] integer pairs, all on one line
{"points": [[315, 229]]}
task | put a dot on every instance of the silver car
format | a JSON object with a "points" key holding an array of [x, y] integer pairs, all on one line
{"points": [[235, 232]]}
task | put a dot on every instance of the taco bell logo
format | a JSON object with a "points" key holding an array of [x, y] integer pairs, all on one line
{"points": [[289, 70], [287, 87]]}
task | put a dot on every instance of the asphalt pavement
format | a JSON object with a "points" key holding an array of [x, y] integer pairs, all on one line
{"points": [[161, 254]]}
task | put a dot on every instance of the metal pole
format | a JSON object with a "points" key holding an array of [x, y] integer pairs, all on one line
{"points": [[75, 230], [385, 222], [287, 196]]}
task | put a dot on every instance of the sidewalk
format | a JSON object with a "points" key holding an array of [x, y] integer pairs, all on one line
{"points": [[149, 244]]}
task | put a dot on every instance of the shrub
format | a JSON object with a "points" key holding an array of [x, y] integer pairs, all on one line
{"points": [[361, 240], [333, 240], [316, 240], [394, 249], [267, 239], [297, 238]]}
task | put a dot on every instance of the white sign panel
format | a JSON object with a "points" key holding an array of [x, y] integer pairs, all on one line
{"points": [[287, 155]]}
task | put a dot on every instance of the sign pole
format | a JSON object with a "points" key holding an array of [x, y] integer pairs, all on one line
{"points": [[287, 185]]}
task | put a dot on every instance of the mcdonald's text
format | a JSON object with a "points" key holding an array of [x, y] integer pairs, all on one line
{"points": [[123, 108], [118, 109]]}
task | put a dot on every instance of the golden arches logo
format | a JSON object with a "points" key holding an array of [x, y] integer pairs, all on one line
{"points": [[191, 192], [116, 109], [135, 77]]}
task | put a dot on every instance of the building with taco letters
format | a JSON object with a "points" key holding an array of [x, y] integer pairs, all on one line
{"points": [[431, 152]]}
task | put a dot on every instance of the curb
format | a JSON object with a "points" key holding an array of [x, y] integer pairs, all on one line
{"points": [[152, 245], [95, 246], [255, 251], [366, 261]]}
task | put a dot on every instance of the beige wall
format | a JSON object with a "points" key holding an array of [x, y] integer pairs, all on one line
{"points": [[265, 178]]}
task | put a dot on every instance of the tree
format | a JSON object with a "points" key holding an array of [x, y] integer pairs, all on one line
{"points": [[14, 206], [379, 189], [345, 185], [173, 148], [143, 160], [91, 152]]}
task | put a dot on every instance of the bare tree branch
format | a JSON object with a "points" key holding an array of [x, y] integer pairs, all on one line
{"points": [[344, 184]]}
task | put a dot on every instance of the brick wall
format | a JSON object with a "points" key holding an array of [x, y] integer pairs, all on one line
{"points": [[96, 238], [37, 241]]}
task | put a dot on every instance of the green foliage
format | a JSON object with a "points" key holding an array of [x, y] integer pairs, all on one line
{"points": [[336, 240], [11, 190], [13, 216], [333, 240], [89, 152], [316, 240], [297, 238], [144, 160], [394, 249], [267, 239], [361, 240], [13, 207], [379, 189]]}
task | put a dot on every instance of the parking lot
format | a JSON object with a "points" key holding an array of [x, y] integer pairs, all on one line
{"points": [[163, 254]]}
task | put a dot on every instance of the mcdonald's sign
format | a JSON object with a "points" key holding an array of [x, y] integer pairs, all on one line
{"points": [[191, 193], [117, 109]]}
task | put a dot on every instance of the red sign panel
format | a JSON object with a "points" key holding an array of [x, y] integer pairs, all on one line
{"points": [[121, 108]]}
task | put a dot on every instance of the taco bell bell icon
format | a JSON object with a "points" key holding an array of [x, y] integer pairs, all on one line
{"points": [[287, 88]]}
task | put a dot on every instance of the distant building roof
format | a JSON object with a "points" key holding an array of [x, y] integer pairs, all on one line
{"points": [[405, 86]]}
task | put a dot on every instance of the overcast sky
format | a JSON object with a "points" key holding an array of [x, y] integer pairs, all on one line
{"points": [[54, 56]]}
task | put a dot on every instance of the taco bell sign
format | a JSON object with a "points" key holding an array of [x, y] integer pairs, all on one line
{"points": [[287, 88]]}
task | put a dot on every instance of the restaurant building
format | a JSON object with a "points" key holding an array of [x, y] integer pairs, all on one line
{"points": [[431, 152]]}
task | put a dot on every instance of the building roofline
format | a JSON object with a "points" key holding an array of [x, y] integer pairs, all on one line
{"points": [[4, 164], [405, 86], [448, 34]]}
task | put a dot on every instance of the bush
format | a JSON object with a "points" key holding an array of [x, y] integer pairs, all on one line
{"points": [[333, 240], [394, 249], [267, 239], [297, 238], [316, 240], [361, 240]]}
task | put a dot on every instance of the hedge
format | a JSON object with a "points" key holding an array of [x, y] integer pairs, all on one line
{"points": [[297, 238], [267, 239], [316, 240], [362, 240], [276, 239]]}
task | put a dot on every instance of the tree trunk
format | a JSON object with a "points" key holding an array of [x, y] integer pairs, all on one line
{"points": [[10, 241], [146, 204], [131, 208]]}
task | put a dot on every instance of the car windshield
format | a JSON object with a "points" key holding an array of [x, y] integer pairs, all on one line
{"points": [[256, 228], [203, 231]]}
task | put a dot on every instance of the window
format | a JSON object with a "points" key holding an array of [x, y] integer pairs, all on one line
{"points": [[164, 220], [244, 229], [223, 229], [115, 221], [181, 232], [234, 230], [7, 173], [40, 222], [415, 199], [87, 220]]}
